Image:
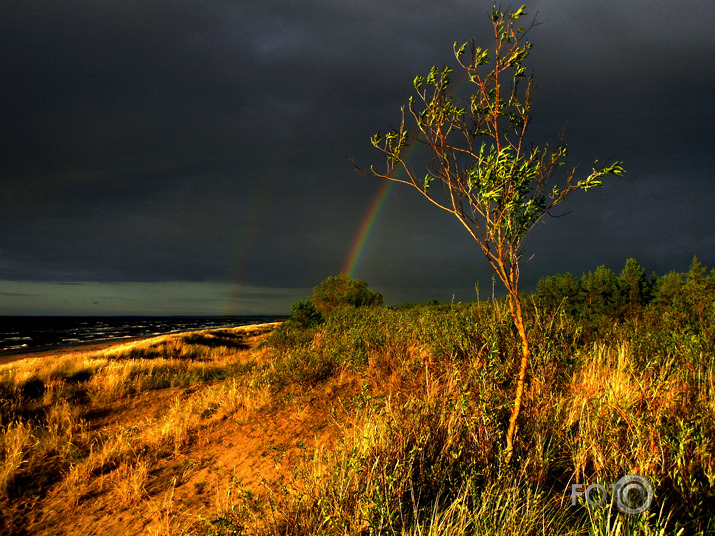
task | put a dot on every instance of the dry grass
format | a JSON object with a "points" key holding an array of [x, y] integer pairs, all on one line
{"points": [[419, 400], [421, 452], [49, 437], [16, 441]]}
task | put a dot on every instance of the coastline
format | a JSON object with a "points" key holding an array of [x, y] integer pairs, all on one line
{"points": [[97, 345]]}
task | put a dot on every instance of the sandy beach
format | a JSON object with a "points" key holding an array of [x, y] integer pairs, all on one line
{"points": [[150, 459], [90, 346]]}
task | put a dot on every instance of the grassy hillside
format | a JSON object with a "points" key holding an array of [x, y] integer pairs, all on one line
{"points": [[373, 421], [84, 436], [605, 399]]}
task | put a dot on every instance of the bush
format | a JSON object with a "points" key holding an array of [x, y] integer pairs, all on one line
{"points": [[338, 290], [305, 315]]}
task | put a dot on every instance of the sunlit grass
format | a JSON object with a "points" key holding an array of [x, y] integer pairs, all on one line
{"points": [[44, 438], [421, 423], [422, 452]]}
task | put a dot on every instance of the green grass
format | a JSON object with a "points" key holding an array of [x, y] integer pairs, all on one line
{"points": [[421, 429], [423, 451]]}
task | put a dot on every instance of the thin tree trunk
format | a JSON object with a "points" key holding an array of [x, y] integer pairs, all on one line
{"points": [[515, 307]]}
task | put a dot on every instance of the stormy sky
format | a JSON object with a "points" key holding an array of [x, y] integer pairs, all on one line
{"points": [[176, 157]]}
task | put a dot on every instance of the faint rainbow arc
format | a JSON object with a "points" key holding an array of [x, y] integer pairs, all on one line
{"points": [[378, 202], [370, 219], [366, 227]]}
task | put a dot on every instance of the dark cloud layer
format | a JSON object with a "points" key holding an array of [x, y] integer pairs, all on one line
{"points": [[207, 141]]}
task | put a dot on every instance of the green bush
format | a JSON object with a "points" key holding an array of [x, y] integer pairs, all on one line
{"points": [[305, 315], [338, 290], [605, 398]]}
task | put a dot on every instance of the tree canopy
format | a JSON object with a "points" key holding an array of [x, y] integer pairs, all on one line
{"points": [[339, 290]]}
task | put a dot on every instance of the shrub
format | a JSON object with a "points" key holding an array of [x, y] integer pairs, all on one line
{"points": [[340, 290], [305, 315]]}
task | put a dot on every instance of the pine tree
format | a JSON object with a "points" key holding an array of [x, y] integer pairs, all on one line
{"points": [[633, 286]]}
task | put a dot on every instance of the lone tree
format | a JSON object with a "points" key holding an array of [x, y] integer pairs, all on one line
{"points": [[489, 176], [341, 289]]}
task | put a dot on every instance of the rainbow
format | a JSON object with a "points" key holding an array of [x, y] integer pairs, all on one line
{"points": [[379, 200], [372, 216], [366, 227]]}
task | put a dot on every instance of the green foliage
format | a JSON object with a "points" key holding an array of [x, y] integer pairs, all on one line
{"points": [[339, 290], [302, 366], [668, 288], [433, 303], [329, 298], [496, 183], [633, 285], [289, 335], [224, 525], [421, 453], [684, 299], [560, 291], [600, 291], [305, 315]]}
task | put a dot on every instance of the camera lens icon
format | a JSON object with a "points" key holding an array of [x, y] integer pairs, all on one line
{"points": [[633, 494]]}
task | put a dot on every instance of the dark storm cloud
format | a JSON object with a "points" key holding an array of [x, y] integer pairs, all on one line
{"points": [[207, 141]]}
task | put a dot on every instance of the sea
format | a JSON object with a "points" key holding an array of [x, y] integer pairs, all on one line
{"points": [[21, 334]]}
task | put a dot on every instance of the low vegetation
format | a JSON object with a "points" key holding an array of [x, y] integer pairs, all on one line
{"points": [[419, 399], [47, 406]]}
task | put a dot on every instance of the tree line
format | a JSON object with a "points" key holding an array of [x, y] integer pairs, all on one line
{"points": [[603, 293]]}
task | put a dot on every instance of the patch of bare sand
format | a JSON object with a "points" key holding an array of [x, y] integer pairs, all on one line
{"points": [[253, 453]]}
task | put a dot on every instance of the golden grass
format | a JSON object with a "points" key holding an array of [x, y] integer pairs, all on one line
{"points": [[130, 480], [43, 428], [16, 440], [419, 420]]}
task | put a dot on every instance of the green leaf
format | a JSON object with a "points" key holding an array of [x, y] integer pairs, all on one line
{"points": [[376, 139], [616, 169], [481, 57], [459, 51], [519, 13]]}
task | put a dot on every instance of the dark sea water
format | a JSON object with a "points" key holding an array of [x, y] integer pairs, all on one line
{"points": [[33, 333]]}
